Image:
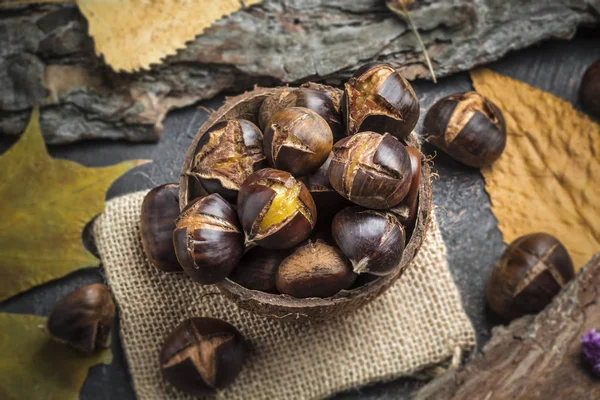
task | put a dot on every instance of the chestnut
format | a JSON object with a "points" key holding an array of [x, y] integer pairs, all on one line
{"points": [[297, 140], [228, 153], [84, 318], [160, 208], [315, 97], [371, 170], [202, 355], [589, 92], [276, 210], [531, 271], [208, 239], [406, 210], [377, 98], [257, 269], [373, 240], [314, 270], [467, 126]]}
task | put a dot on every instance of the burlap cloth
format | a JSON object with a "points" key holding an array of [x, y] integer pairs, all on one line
{"points": [[418, 324]]}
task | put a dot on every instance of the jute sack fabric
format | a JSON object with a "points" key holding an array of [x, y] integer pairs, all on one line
{"points": [[418, 324]]}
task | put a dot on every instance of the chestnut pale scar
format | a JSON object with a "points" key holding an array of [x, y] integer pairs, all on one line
{"points": [[540, 266]]}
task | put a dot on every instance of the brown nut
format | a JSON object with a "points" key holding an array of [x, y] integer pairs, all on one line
{"points": [[208, 239], [202, 355], [227, 154], [589, 92], [371, 170], [257, 269], [313, 96], [314, 270], [160, 208], [83, 318], [467, 126], [379, 99], [297, 140], [276, 210], [406, 210], [372, 240], [531, 271]]}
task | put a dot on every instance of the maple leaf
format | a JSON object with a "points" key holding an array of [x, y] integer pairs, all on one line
{"points": [[44, 206], [36, 367]]}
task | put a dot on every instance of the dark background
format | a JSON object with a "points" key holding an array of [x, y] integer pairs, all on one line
{"points": [[468, 226]]}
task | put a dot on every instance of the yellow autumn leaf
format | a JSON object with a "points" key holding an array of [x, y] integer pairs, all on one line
{"points": [[35, 367], [44, 206], [548, 178], [132, 34]]}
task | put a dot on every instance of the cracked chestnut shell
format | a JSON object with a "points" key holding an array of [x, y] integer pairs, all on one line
{"points": [[227, 154], [406, 210], [257, 269], [589, 92], [314, 270], [372, 240], [83, 318], [160, 209], [467, 126], [297, 140], [377, 98], [276, 210], [531, 271], [371, 170], [208, 239], [202, 355]]}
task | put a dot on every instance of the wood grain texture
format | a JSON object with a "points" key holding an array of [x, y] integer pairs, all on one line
{"points": [[46, 56]]}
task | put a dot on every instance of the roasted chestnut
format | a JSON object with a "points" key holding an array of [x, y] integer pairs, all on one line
{"points": [[208, 239], [83, 318], [202, 355], [257, 269], [467, 126], [377, 98], [371, 170], [160, 208], [314, 270], [276, 210], [589, 93], [297, 140], [373, 240], [227, 154], [531, 271], [406, 210]]}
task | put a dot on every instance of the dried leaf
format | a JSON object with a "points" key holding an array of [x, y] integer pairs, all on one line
{"points": [[548, 178], [45, 206], [132, 34], [36, 367]]}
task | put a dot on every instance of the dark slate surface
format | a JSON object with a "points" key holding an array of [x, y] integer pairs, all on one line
{"points": [[467, 224]]}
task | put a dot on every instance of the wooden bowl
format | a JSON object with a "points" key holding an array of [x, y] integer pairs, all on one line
{"points": [[282, 306]]}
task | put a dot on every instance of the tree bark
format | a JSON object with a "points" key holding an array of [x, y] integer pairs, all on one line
{"points": [[535, 357], [47, 58]]}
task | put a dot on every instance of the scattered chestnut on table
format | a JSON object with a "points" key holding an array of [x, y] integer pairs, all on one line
{"points": [[228, 153], [202, 355], [276, 210], [160, 208], [297, 140], [531, 271], [208, 239], [467, 126], [371, 170], [377, 98], [314, 270], [83, 318], [257, 269], [589, 92]]}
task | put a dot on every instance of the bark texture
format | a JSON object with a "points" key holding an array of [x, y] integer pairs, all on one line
{"points": [[535, 357], [46, 56]]}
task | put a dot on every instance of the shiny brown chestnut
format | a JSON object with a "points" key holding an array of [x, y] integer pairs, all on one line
{"points": [[314, 270], [276, 210], [202, 355], [467, 126], [377, 98], [318, 98], [208, 239], [83, 318], [257, 269], [373, 240], [297, 140], [227, 154], [406, 210], [589, 92], [160, 208], [371, 170], [531, 271]]}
